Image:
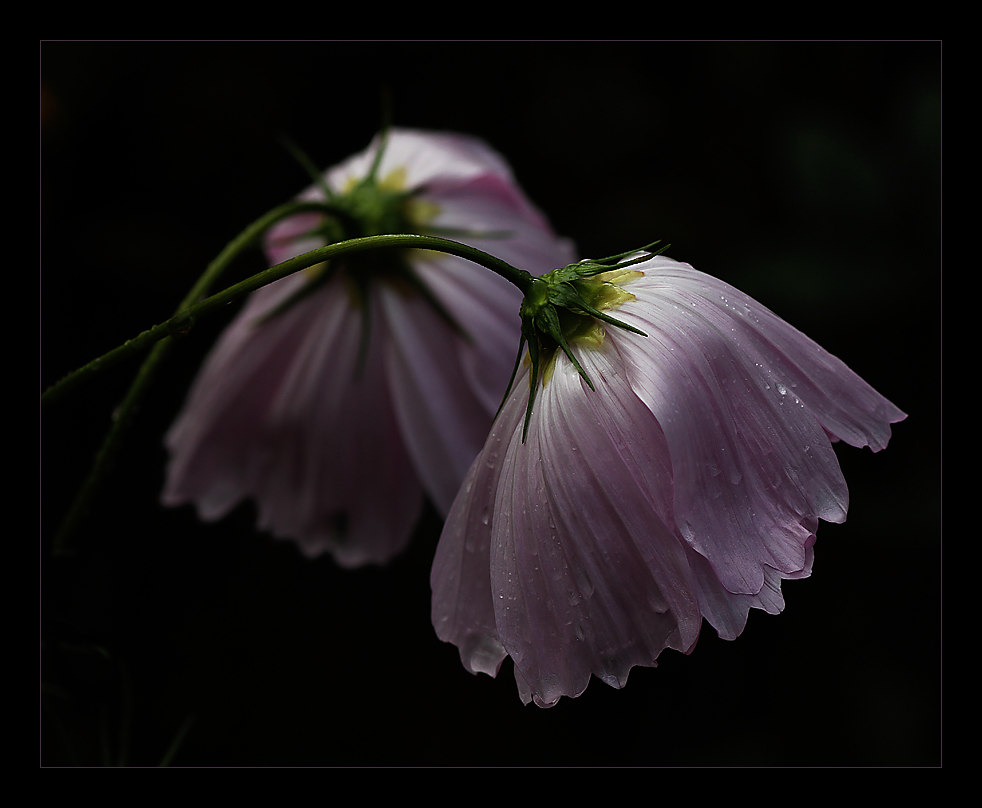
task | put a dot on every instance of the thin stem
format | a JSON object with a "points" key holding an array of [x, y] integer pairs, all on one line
{"points": [[192, 309], [521, 278], [178, 325], [160, 337]]}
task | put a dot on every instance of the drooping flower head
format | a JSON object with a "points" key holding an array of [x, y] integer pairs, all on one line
{"points": [[663, 456], [341, 396]]}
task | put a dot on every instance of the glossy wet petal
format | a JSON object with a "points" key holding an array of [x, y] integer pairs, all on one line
{"points": [[740, 436], [846, 405], [688, 484], [589, 578], [462, 607]]}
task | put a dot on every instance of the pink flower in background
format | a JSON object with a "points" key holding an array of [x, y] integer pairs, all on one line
{"points": [[687, 484], [339, 397]]}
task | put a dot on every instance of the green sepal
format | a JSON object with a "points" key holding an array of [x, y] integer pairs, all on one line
{"points": [[594, 266], [533, 378], [514, 373], [567, 296], [307, 164], [564, 288], [547, 321]]}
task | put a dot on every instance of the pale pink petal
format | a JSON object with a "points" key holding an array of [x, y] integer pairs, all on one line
{"points": [[337, 450], [270, 430], [422, 156], [846, 406], [210, 442], [484, 307], [442, 421], [727, 612], [753, 468], [588, 578], [492, 214], [462, 608]]}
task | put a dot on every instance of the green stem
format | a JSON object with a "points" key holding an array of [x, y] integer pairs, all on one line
{"points": [[179, 325], [521, 278], [191, 310], [160, 337]]}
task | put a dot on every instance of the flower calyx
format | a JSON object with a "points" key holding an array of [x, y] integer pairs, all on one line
{"points": [[565, 305]]}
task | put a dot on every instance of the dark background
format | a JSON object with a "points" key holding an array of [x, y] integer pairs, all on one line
{"points": [[806, 174]]}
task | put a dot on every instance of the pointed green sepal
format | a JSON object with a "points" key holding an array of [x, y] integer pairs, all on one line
{"points": [[566, 295], [514, 372], [547, 321], [594, 266], [533, 378], [554, 309]]}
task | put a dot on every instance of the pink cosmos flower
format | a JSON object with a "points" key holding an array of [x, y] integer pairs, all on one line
{"points": [[686, 484], [341, 396]]}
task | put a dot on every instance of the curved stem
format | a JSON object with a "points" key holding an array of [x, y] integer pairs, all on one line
{"points": [[161, 336], [178, 325], [193, 308], [521, 278]]}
